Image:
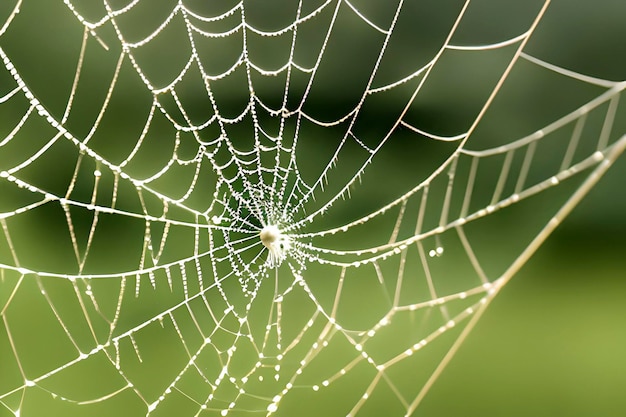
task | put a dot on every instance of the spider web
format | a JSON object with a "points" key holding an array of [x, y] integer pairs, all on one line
{"points": [[137, 175]]}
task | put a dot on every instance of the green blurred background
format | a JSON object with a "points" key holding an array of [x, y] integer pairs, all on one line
{"points": [[553, 342]]}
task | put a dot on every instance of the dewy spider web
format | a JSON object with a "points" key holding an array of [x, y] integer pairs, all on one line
{"points": [[136, 181]]}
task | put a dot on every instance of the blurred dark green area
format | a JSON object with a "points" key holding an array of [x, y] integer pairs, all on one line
{"points": [[553, 342]]}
